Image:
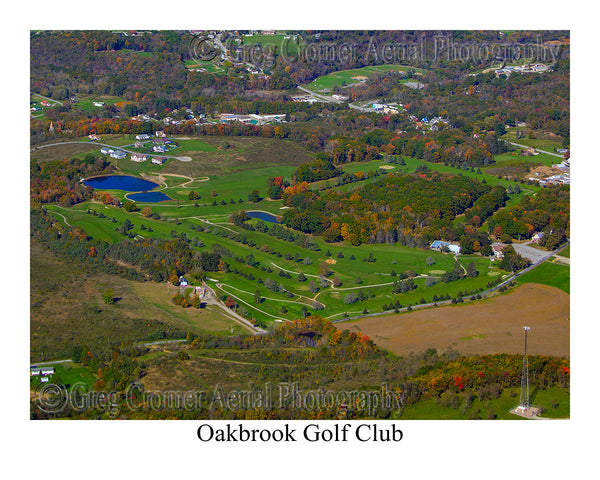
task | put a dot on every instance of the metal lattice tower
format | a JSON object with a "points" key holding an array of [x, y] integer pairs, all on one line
{"points": [[525, 375]]}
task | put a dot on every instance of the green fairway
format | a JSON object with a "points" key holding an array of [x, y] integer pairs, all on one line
{"points": [[549, 273], [282, 262], [361, 286]]}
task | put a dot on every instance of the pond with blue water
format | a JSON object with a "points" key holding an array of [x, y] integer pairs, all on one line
{"points": [[121, 182], [148, 197], [267, 217], [129, 184]]}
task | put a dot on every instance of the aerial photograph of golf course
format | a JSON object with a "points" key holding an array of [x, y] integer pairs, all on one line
{"points": [[385, 239]]}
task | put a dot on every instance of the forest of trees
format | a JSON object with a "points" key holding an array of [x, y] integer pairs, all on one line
{"points": [[59, 181], [390, 209], [547, 211]]}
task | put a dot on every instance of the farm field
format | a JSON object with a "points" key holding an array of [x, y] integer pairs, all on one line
{"points": [[483, 327]]}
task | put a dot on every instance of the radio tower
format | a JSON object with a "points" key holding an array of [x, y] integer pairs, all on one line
{"points": [[524, 409], [525, 375]]}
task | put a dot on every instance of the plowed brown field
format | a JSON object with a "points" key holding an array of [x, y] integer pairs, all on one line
{"points": [[484, 327]]}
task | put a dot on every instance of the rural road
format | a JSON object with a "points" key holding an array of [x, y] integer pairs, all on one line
{"points": [[537, 149], [46, 98]]}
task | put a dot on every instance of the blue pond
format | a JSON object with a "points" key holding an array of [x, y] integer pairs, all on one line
{"points": [[121, 182], [267, 217], [149, 197]]}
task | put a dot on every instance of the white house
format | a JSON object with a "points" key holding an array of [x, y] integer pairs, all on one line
{"points": [[160, 133], [35, 371], [98, 104], [47, 371], [142, 136], [159, 148], [439, 245], [537, 237], [497, 249], [139, 157], [106, 150], [159, 160], [118, 154]]}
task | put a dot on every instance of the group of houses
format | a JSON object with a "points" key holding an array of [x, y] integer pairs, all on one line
{"points": [[113, 153], [43, 372], [161, 147], [429, 124], [142, 157], [533, 68], [562, 175], [387, 109]]}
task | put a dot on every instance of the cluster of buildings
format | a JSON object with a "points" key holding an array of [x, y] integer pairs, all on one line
{"points": [[387, 109], [253, 119], [43, 372], [113, 153], [441, 246], [533, 68], [305, 98], [429, 124], [563, 177]]}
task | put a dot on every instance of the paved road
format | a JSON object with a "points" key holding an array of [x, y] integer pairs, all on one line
{"points": [[532, 253]]}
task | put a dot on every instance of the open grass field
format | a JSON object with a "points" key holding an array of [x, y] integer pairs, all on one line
{"points": [[67, 309], [347, 77], [513, 157], [86, 102], [277, 42], [544, 140], [490, 326], [209, 67]]}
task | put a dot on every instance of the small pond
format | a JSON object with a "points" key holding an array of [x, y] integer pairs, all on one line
{"points": [[148, 197], [120, 182], [267, 217]]}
